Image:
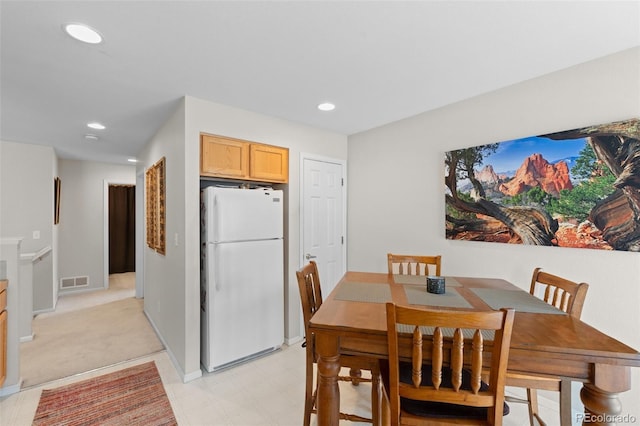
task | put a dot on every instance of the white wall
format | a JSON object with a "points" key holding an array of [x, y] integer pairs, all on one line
{"points": [[82, 211], [397, 172], [172, 282], [165, 287], [26, 173], [26, 202], [26, 205]]}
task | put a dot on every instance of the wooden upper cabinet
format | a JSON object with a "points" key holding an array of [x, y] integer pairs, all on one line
{"points": [[243, 160], [223, 157], [269, 163]]}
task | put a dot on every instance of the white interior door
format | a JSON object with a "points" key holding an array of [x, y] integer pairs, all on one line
{"points": [[323, 218]]}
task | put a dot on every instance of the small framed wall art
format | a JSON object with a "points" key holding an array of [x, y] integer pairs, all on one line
{"points": [[155, 206]]}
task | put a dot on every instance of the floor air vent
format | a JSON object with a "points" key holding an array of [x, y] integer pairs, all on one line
{"points": [[72, 282]]}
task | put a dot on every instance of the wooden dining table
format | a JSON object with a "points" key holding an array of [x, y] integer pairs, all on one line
{"points": [[545, 340]]}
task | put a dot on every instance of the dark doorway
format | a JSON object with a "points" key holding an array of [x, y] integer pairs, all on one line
{"points": [[122, 229]]}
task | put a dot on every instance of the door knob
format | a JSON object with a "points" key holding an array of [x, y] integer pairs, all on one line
{"points": [[309, 256]]}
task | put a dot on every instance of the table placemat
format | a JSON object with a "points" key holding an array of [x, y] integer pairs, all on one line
{"points": [[521, 301], [363, 292], [418, 295], [422, 280]]}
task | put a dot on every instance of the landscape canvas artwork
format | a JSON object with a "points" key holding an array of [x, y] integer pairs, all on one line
{"points": [[577, 188]]}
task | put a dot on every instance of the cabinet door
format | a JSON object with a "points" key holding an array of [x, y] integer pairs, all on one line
{"points": [[269, 163], [3, 347], [223, 157]]}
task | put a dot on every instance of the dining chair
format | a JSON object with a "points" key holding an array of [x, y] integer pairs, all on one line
{"points": [[413, 265], [569, 297], [449, 390], [311, 299]]}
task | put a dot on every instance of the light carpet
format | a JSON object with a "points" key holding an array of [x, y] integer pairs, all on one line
{"points": [[86, 339], [133, 396]]}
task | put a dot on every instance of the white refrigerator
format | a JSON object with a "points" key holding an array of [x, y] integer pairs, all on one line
{"points": [[242, 275]]}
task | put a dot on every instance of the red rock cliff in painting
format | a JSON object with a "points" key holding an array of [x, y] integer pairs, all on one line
{"points": [[536, 171]]}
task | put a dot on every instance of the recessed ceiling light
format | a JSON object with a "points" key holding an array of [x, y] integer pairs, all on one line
{"points": [[132, 160], [95, 125], [83, 33], [326, 106], [91, 137]]}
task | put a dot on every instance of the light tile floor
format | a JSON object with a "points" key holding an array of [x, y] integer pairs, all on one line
{"points": [[265, 391]]}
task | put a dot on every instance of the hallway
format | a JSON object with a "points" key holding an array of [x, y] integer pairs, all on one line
{"points": [[87, 331], [121, 286]]}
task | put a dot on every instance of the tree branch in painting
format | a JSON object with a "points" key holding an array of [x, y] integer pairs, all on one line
{"points": [[616, 145]]}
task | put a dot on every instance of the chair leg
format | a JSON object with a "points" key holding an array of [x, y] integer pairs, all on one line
{"points": [[565, 402], [309, 395], [385, 409], [532, 397], [534, 413], [376, 401]]}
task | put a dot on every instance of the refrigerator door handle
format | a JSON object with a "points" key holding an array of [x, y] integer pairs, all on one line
{"points": [[213, 270], [216, 274]]}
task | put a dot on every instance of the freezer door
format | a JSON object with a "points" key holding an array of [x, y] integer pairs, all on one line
{"points": [[243, 214], [246, 300]]}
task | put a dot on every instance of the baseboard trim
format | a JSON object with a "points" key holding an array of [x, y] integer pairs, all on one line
{"points": [[10, 390], [186, 377], [26, 338]]}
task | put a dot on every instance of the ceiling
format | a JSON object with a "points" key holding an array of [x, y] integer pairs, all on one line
{"points": [[377, 61]]}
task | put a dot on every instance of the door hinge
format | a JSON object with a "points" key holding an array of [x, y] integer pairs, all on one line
{"points": [[342, 240], [342, 181]]}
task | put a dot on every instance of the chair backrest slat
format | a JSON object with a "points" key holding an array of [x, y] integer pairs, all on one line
{"points": [[476, 361], [436, 358], [456, 359], [416, 356]]}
